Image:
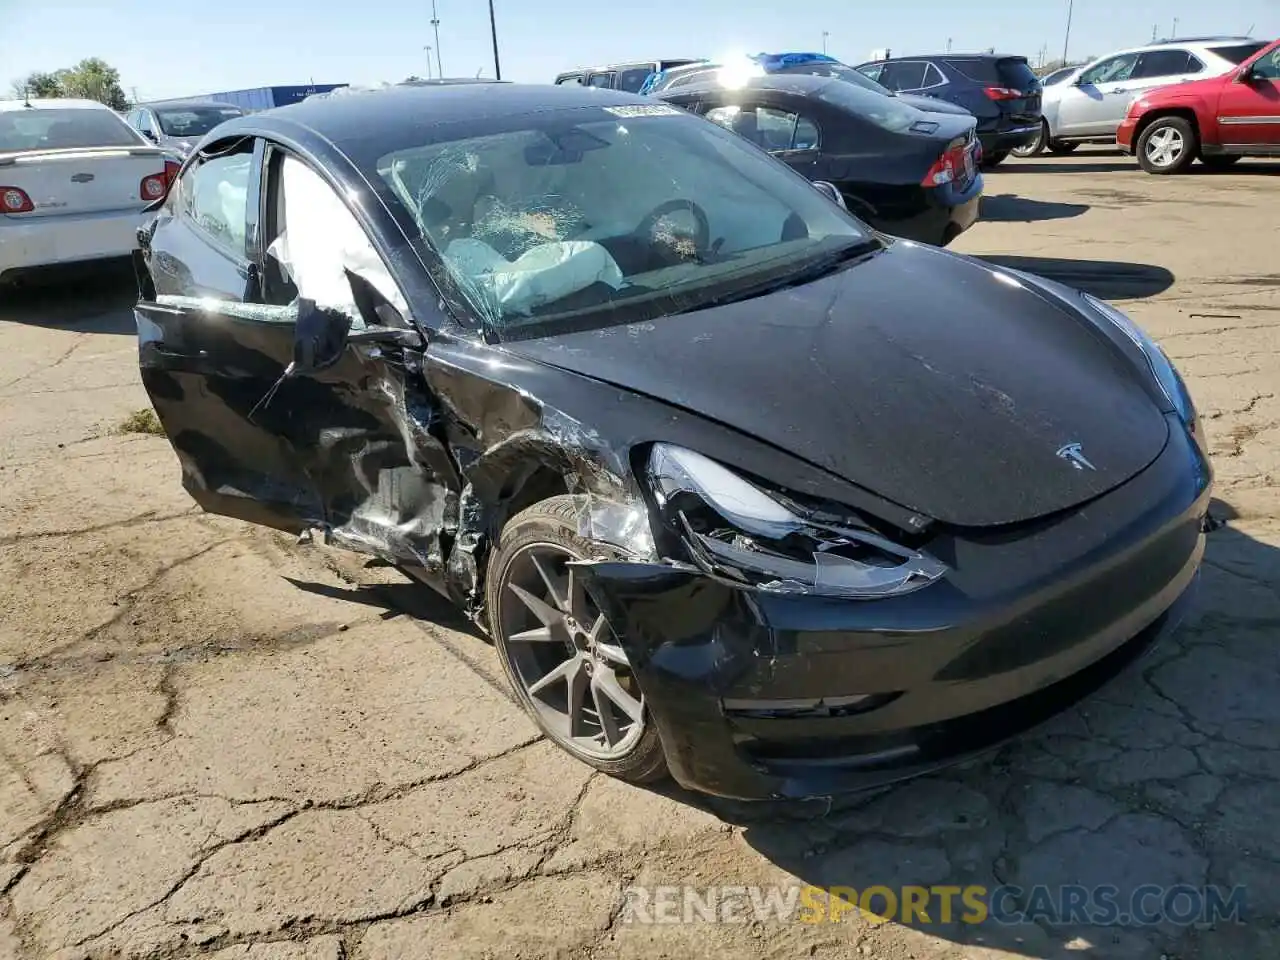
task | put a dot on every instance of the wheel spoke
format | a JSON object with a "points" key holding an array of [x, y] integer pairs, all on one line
{"points": [[576, 703], [548, 614], [608, 724], [577, 599], [566, 671], [607, 684], [555, 585], [536, 635]]}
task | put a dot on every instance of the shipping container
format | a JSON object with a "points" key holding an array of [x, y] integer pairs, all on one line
{"points": [[264, 98]]}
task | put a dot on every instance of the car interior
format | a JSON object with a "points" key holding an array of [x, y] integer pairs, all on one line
{"points": [[520, 191]]}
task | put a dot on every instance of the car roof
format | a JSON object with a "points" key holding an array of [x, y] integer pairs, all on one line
{"points": [[53, 103], [956, 56], [343, 119], [1193, 43], [187, 102], [446, 81], [803, 84]]}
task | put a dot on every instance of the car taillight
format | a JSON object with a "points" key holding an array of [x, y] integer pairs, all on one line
{"points": [[153, 187], [13, 200], [947, 167], [1003, 93]]}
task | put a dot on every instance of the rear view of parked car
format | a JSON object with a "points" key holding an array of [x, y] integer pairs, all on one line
{"points": [[1001, 91], [74, 179], [1218, 120], [908, 173], [1089, 108], [619, 76]]}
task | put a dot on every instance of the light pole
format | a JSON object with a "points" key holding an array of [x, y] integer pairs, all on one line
{"points": [[428, 49], [493, 30], [1067, 38], [825, 34], [435, 25]]}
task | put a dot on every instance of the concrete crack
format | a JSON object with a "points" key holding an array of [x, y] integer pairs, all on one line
{"points": [[141, 519]]}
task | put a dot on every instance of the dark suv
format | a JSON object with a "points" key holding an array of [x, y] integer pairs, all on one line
{"points": [[1001, 91]]}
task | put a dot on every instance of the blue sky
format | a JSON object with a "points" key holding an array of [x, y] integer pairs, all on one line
{"points": [[168, 49]]}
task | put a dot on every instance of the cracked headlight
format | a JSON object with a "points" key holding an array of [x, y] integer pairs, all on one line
{"points": [[1162, 368], [735, 530]]}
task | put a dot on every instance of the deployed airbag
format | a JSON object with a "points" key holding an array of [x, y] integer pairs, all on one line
{"points": [[537, 277]]}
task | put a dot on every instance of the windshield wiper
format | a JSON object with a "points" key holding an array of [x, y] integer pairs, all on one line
{"points": [[807, 273]]}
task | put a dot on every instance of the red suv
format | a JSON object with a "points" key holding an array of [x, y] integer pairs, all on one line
{"points": [[1219, 120]]}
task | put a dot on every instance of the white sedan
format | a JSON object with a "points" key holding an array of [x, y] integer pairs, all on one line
{"points": [[74, 180]]}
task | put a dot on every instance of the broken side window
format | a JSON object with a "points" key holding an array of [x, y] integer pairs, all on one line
{"points": [[318, 239]]}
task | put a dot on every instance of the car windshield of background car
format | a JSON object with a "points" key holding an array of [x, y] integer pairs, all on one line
{"points": [[64, 129], [194, 121]]}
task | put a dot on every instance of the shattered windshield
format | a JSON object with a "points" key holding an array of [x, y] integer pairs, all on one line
{"points": [[593, 216]]}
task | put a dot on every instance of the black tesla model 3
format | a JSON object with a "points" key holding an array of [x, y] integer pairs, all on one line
{"points": [[740, 489]]}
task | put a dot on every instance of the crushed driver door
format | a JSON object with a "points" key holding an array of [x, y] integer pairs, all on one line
{"points": [[345, 449]]}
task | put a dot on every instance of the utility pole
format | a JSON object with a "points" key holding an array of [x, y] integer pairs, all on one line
{"points": [[435, 25], [428, 49], [948, 44], [1066, 40], [493, 30], [825, 34], [1175, 27]]}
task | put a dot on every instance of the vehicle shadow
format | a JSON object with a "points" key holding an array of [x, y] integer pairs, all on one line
{"points": [[98, 298], [1039, 165], [1011, 208], [1135, 786], [1109, 279], [407, 598]]}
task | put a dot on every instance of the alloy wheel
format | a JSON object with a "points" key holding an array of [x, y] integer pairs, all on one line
{"points": [[1165, 146], [565, 656]]}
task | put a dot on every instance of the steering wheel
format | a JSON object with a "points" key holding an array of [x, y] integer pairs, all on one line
{"points": [[676, 232]]}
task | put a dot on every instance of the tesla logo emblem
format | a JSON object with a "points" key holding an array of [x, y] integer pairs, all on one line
{"points": [[82, 178], [1072, 453]]}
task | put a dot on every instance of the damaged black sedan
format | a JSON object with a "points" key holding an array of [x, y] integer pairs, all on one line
{"points": [[740, 489]]}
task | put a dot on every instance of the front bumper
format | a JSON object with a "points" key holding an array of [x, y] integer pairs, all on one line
{"points": [[761, 696], [1125, 138], [47, 241]]}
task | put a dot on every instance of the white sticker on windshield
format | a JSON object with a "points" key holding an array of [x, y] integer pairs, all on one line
{"points": [[645, 110]]}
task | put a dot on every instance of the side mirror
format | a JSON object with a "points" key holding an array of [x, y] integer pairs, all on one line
{"points": [[1245, 75], [151, 135], [320, 336], [831, 192]]}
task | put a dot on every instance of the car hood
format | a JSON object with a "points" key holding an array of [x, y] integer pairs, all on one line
{"points": [[1186, 89], [927, 378], [931, 104], [182, 145]]}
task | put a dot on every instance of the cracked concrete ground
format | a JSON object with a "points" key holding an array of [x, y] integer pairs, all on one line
{"points": [[213, 741]]}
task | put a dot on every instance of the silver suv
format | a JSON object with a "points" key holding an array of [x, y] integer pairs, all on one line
{"points": [[1088, 106]]}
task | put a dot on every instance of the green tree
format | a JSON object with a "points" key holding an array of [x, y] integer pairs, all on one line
{"points": [[38, 84], [94, 79]]}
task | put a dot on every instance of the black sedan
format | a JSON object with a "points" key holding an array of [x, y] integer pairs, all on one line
{"points": [[740, 489], [906, 172]]}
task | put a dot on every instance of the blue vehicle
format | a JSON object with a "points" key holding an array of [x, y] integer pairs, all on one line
{"points": [[1003, 92]]}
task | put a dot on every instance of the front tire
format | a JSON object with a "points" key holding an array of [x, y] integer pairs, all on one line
{"points": [[1060, 148], [559, 652], [1168, 145], [1036, 146]]}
